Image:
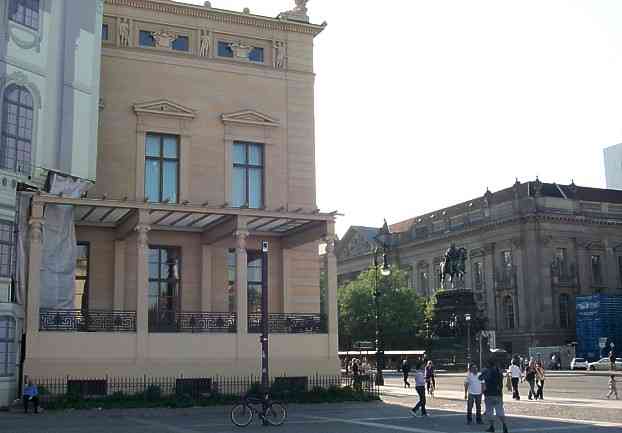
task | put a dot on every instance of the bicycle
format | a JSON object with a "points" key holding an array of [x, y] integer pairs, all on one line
{"points": [[271, 413]]}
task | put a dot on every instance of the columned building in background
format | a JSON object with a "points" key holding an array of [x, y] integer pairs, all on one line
{"points": [[206, 148], [532, 248], [49, 94]]}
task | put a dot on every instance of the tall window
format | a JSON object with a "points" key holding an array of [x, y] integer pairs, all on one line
{"points": [[164, 277], [620, 270], [6, 248], [81, 292], [508, 308], [423, 279], [17, 124], [104, 32], [564, 302], [255, 273], [25, 12], [7, 347], [162, 167], [248, 169], [561, 257], [231, 289], [477, 275], [597, 274]]}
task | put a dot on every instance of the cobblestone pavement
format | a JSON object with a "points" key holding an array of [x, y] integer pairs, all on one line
{"points": [[389, 416]]}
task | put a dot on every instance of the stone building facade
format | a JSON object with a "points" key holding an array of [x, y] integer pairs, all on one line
{"points": [[206, 148], [532, 248]]}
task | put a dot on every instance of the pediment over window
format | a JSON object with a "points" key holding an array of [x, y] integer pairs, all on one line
{"points": [[250, 117], [164, 107]]}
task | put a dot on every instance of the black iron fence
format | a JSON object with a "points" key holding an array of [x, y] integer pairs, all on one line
{"points": [[198, 322], [289, 323], [87, 321], [157, 388]]}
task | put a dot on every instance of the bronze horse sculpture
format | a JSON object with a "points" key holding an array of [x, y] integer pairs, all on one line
{"points": [[453, 265]]}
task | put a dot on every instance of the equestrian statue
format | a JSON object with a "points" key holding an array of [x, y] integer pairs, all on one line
{"points": [[453, 264]]}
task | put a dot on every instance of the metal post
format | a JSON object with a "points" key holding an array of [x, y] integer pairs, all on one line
{"points": [[468, 343], [379, 345], [265, 328], [480, 349]]}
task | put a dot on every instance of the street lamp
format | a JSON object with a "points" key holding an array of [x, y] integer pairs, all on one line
{"points": [[467, 317], [383, 238]]}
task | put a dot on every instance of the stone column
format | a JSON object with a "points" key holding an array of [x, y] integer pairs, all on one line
{"points": [[331, 310], [285, 254], [610, 267], [206, 278], [142, 288], [241, 281], [118, 301], [33, 297]]}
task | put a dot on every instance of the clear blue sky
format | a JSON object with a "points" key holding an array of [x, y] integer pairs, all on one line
{"points": [[421, 104]]}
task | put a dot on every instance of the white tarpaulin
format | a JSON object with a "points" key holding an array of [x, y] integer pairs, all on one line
{"points": [[21, 267], [58, 259]]}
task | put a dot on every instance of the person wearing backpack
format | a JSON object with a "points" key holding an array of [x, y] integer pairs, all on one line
{"points": [[405, 371], [492, 381]]}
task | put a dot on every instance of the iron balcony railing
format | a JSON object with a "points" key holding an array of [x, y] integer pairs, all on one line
{"points": [[192, 322], [87, 321], [289, 323]]}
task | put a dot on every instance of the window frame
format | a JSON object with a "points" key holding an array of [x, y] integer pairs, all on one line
{"points": [[105, 26], [508, 307], [163, 279], [564, 319], [84, 305], [247, 166], [10, 244], [161, 159], [597, 277], [16, 3], [478, 275], [18, 164], [224, 44], [9, 347], [253, 255]]}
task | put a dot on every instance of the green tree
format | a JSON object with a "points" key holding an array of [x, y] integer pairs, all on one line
{"points": [[403, 311]]}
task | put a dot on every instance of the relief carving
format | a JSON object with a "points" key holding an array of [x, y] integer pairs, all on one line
{"points": [[241, 50], [279, 55], [164, 39], [204, 50]]}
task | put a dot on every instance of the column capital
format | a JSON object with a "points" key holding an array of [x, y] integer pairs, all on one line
{"points": [[241, 236], [143, 238], [36, 229]]}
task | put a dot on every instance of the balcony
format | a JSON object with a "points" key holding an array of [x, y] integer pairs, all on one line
{"points": [[191, 322], [289, 323], [87, 321]]}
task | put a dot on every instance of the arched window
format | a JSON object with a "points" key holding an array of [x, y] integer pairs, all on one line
{"points": [[7, 346], [564, 301], [17, 124], [508, 309]]}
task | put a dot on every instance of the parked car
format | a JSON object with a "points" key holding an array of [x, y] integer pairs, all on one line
{"points": [[604, 364], [578, 364]]}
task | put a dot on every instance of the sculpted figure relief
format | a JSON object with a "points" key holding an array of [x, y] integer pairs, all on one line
{"points": [[205, 43], [279, 55], [124, 32]]}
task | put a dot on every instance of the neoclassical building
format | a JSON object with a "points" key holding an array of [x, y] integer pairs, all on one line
{"points": [[205, 149], [49, 96], [532, 248]]}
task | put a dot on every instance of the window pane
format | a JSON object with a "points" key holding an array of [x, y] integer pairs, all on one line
{"points": [[152, 146], [170, 146], [254, 298], [255, 188], [224, 50], [145, 39], [255, 154], [181, 43], [238, 194], [239, 153], [152, 180], [169, 183], [256, 55], [105, 32]]}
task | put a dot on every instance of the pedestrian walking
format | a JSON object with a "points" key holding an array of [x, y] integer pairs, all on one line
{"points": [[473, 394], [430, 379], [493, 391], [530, 377], [356, 376], [515, 375], [613, 387], [612, 360], [405, 371], [540, 380], [420, 387]]}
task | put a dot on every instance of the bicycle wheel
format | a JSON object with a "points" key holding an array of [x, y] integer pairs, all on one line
{"points": [[276, 413], [241, 415]]}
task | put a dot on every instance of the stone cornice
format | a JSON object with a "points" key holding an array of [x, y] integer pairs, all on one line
{"points": [[220, 15]]}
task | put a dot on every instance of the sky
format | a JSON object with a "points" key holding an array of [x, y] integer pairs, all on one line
{"points": [[421, 104]]}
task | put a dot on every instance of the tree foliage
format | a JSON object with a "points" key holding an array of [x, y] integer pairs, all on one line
{"points": [[403, 312]]}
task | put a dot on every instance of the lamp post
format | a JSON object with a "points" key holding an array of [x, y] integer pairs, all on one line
{"points": [[467, 318], [383, 238]]}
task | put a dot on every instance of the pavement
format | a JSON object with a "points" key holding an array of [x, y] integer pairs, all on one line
{"points": [[557, 413]]}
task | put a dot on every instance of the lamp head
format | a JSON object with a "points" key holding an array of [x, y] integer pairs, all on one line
{"points": [[386, 270], [467, 317]]}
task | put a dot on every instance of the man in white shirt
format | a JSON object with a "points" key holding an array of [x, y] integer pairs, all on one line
{"points": [[420, 387], [516, 374], [473, 394]]}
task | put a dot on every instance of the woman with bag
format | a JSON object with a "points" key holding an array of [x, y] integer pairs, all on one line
{"points": [[530, 377]]}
